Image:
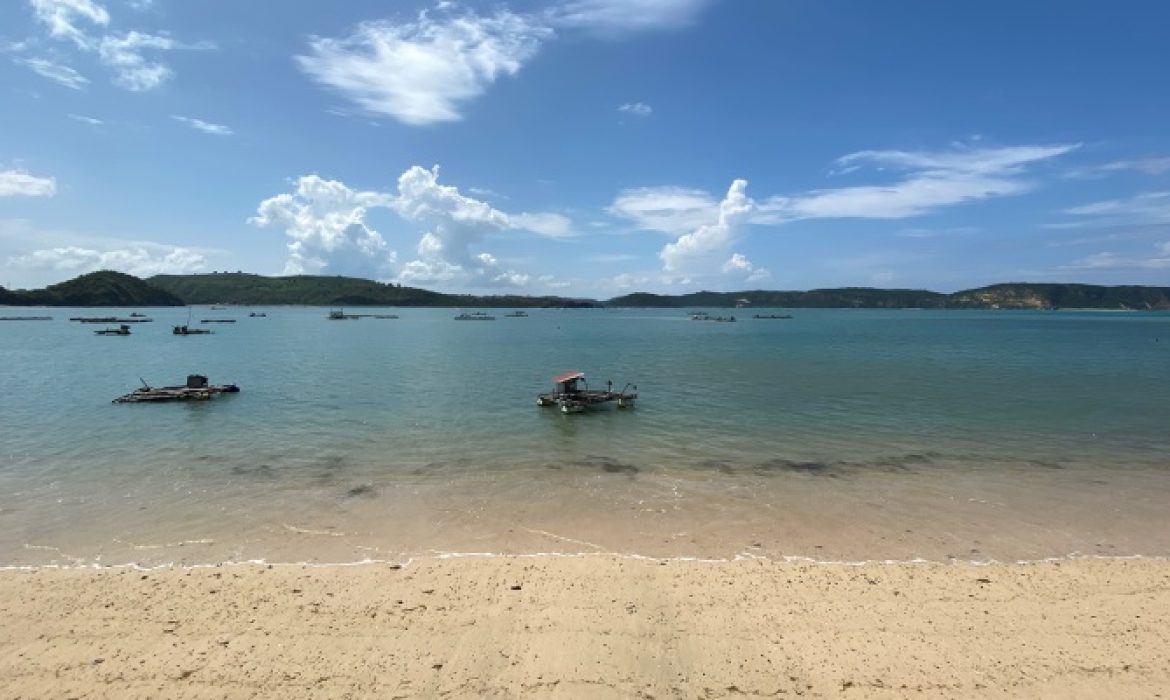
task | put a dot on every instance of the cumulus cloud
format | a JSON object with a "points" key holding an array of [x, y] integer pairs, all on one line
{"points": [[205, 127], [638, 109], [142, 260], [56, 72], [19, 183], [923, 181], [423, 72], [83, 23], [326, 224], [739, 265], [696, 249]]}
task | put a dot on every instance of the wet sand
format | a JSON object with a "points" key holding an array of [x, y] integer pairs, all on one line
{"points": [[590, 626]]}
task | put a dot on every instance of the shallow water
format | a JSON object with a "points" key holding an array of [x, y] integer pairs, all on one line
{"points": [[839, 434]]}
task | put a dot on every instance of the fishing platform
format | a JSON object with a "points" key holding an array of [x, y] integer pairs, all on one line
{"points": [[196, 389], [573, 395]]}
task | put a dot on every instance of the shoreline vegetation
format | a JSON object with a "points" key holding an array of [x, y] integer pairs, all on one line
{"points": [[107, 288], [591, 626]]}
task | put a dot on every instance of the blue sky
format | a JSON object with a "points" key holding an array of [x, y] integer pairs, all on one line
{"points": [[588, 147]]}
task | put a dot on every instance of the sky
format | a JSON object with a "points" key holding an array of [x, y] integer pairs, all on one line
{"points": [[588, 147]]}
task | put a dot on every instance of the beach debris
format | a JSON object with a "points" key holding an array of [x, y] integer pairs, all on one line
{"points": [[196, 389]]}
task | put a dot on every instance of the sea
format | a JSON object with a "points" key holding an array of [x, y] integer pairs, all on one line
{"points": [[835, 435]]}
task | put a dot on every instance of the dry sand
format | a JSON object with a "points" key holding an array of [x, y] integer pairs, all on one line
{"points": [[590, 626]]}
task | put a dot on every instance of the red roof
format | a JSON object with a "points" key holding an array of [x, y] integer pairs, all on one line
{"points": [[567, 376]]}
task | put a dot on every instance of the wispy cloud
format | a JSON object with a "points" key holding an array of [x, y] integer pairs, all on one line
{"points": [[61, 18], [205, 127], [426, 70], [617, 17], [19, 183], [141, 259], [85, 120], [638, 109], [84, 23], [1158, 259], [1144, 208], [56, 72]]}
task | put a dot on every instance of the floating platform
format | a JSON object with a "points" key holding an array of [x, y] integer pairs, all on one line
{"points": [[772, 316], [26, 318], [475, 316], [187, 330], [196, 389], [573, 395], [120, 330], [110, 319], [218, 320]]}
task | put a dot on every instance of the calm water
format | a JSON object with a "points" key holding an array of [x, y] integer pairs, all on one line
{"points": [[839, 434]]}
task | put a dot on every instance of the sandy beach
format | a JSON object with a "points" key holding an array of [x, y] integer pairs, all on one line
{"points": [[590, 626]]}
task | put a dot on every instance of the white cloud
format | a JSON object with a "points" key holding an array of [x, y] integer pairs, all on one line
{"points": [[56, 72], [142, 260], [83, 23], [696, 249], [1144, 208], [326, 222], [673, 210], [85, 120], [61, 17], [935, 179], [546, 224], [19, 183], [423, 72], [638, 109], [1149, 166], [1158, 260], [739, 265], [205, 127], [626, 16]]}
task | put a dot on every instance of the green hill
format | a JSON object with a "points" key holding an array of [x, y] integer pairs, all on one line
{"points": [[998, 296], [244, 288], [104, 288]]}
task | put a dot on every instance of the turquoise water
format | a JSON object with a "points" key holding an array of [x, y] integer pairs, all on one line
{"points": [[1017, 434]]}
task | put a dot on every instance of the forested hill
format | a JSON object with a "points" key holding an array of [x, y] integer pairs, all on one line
{"points": [[117, 289], [997, 296], [310, 290], [104, 288]]}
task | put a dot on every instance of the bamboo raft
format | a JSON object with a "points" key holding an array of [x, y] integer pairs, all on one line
{"points": [[573, 395], [196, 389]]}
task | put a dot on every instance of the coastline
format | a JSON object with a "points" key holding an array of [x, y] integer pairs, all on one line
{"points": [[594, 625]]}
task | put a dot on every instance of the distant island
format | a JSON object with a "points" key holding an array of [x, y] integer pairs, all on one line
{"points": [[108, 288]]}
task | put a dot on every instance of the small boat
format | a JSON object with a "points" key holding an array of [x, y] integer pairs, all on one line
{"points": [[218, 307], [772, 316], [137, 315], [257, 315], [196, 389], [571, 393], [187, 330], [474, 316], [517, 314], [120, 330], [218, 320], [340, 315]]}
